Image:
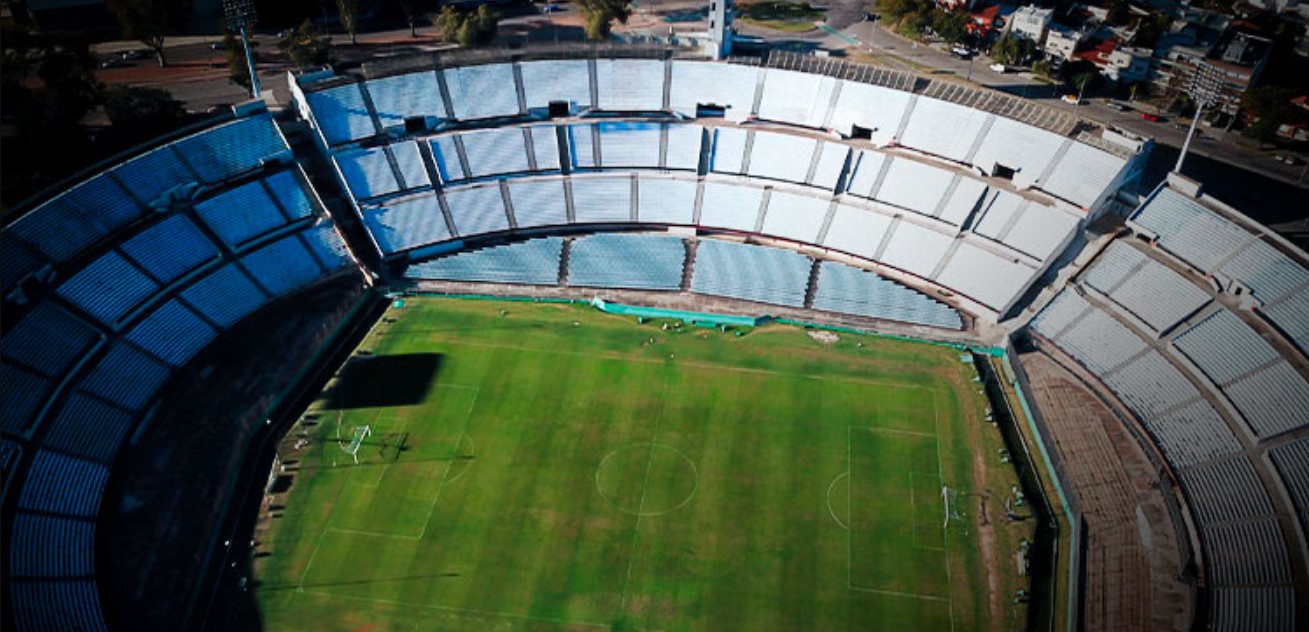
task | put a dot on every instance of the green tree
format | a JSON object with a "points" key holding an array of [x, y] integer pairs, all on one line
{"points": [[912, 25], [412, 10], [234, 52], [893, 10], [1269, 106], [1043, 67], [599, 16], [149, 21], [307, 46], [349, 12], [952, 26], [143, 113], [475, 28]]}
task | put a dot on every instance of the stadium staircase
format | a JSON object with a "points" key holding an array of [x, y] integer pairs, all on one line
{"points": [[688, 268], [811, 288], [563, 261]]}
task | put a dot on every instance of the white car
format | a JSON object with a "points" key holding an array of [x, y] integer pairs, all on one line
{"points": [[999, 67]]}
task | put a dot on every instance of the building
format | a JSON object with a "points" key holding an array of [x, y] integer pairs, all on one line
{"points": [[1031, 22], [1061, 41], [1235, 64]]}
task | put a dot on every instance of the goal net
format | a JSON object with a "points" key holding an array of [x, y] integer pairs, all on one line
{"points": [[357, 440], [950, 499]]}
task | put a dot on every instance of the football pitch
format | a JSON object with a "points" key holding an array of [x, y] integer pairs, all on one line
{"points": [[551, 467]]}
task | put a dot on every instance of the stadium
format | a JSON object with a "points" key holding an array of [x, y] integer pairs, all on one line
{"points": [[625, 338]]}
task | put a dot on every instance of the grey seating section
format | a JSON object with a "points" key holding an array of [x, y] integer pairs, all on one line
{"points": [[644, 262], [848, 290], [1224, 347], [533, 262], [753, 273], [1292, 462]]}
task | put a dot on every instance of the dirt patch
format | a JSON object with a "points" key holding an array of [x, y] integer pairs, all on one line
{"points": [[823, 337]]}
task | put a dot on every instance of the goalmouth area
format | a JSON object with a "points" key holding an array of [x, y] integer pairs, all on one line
{"points": [[548, 466]]}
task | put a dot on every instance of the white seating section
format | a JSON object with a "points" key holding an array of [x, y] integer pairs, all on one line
{"points": [[1187, 229], [1273, 400], [532, 262], [403, 96], [751, 273], [539, 203], [847, 290], [1157, 295], [1224, 347], [615, 260], [602, 200]]}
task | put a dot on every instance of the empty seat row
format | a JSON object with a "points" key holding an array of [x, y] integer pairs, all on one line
{"points": [[646, 262], [847, 290], [752, 273], [533, 262]]}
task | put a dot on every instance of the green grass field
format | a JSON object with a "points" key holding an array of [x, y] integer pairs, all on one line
{"points": [[550, 468]]}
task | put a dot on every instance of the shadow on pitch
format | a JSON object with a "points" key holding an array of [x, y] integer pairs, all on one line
{"points": [[370, 381], [356, 582]]}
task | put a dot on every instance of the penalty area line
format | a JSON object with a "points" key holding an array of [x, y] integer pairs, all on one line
{"points": [[896, 593]]}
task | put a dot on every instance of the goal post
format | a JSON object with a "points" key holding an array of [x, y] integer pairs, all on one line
{"points": [[950, 502], [357, 441]]}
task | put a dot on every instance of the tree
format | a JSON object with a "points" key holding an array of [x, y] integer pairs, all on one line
{"points": [[912, 25], [952, 26], [149, 21], [307, 46], [600, 15], [234, 52], [476, 28], [349, 11], [1043, 67], [142, 113], [893, 10], [412, 10], [1269, 106]]}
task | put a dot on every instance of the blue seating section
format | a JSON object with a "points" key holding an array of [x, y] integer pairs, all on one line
{"points": [[241, 214], [21, 395], [405, 224], [495, 151], [57, 606], [89, 428], [402, 96], [291, 194], [172, 333], [752, 273], [533, 262], [149, 176], [110, 378], [282, 266], [108, 288], [170, 248], [848, 290], [643, 262], [328, 247], [367, 172], [476, 210], [72, 221], [62, 484], [341, 114], [49, 546], [225, 296], [227, 150], [48, 340]]}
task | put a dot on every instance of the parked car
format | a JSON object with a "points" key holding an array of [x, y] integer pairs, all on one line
{"points": [[999, 67], [961, 52], [1070, 99], [114, 62], [1150, 117], [1121, 107], [133, 55]]}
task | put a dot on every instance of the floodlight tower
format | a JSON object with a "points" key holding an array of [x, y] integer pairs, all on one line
{"points": [[240, 17], [1205, 90]]}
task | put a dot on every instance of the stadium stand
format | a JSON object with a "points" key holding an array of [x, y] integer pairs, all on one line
{"points": [[731, 206], [567, 81], [643, 262], [752, 273], [403, 96], [170, 249], [1148, 289], [664, 201], [847, 290], [602, 200], [1292, 461], [340, 114], [533, 262], [241, 214], [538, 203], [401, 225], [479, 92], [795, 217], [108, 288]]}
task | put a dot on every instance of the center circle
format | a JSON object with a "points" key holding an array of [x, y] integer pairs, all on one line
{"points": [[647, 479]]}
